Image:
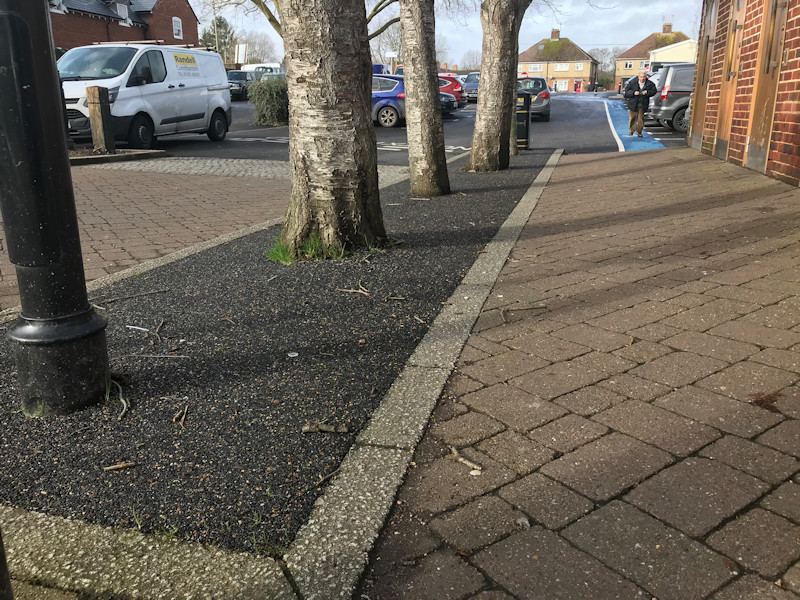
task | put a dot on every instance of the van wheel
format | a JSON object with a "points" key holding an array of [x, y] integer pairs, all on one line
{"points": [[218, 128], [679, 123], [141, 133]]}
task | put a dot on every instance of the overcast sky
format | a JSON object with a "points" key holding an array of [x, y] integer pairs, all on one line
{"points": [[603, 23]]}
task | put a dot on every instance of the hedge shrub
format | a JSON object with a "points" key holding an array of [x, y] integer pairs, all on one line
{"points": [[270, 98]]}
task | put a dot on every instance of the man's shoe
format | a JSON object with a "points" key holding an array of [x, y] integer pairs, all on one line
{"points": [[639, 134], [630, 134]]}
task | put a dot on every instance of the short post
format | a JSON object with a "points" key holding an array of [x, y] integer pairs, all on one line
{"points": [[60, 341], [100, 120], [5, 577]]}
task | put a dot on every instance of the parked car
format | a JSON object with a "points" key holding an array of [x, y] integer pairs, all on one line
{"points": [[388, 100], [674, 88], [264, 68], [154, 90], [448, 101], [449, 84], [239, 81], [381, 69], [471, 86], [540, 95]]}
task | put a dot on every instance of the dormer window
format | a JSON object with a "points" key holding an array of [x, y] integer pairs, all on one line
{"points": [[122, 11], [177, 28]]}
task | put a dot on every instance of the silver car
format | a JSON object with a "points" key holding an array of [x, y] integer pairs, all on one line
{"points": [[540, 95], [471, 86]]}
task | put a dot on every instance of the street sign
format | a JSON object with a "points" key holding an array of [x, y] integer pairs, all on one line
{"points": [[392, 54]]}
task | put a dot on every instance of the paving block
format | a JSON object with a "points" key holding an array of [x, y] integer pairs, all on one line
{"points": [[537, 564], [608, 466], [630, 319], [516, 451], [589, 400], [788, 360], [442, 575], [791, 578], [478, 524], [467, 429], [593, 337], [654, 332], [642, 351], [783, 315], [785, 437], [762, 462], [712, 346], [491, 595], [702, 318], [722, 412], [516, 408], [459, 384], [445, 483], [697, 494], [503, 367], [636, 388], [546, 501], [748, 381], [679, 368], [785, 501], [754, 333], [789, 402], [753, 587], [659, 427], [759, 540], [547, 347], [567, 433], [562, 378], [665, 562]]}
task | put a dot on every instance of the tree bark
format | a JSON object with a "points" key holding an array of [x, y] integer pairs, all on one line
{"points": [[500, 20], [332, 149], [426, 157]]}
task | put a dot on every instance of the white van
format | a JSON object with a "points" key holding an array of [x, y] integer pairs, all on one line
{"points": [[154, 90]]}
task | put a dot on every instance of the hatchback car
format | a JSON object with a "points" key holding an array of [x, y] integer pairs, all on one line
{"points": [[239, 81], [540, 95], [448, 102], [471, 86], [674, 88], [388, 100], [449, 84]]}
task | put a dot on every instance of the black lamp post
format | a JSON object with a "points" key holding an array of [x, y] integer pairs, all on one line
{"points": [[60, 343]]}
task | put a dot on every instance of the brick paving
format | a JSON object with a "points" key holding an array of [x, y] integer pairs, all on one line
{"points": [[630, 392]]}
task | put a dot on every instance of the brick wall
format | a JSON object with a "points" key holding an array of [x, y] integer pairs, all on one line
{"points": [[161, 22], [784, 155], [745, 84], [72, 29]]}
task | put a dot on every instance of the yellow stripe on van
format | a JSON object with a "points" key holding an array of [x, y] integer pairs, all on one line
{"points": [[187, 60]]}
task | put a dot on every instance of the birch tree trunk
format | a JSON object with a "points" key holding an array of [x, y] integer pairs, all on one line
{"points": [[500, 20], [332, 150], [426, 158]]}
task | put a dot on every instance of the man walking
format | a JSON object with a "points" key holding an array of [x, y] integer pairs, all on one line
{"points": [[637, 98]]}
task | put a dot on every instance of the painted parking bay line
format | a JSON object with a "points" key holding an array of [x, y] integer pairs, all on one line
{"points": [[618, 121]]}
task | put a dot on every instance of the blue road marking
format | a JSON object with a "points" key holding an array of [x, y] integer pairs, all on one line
{"points": [[619, 118]]}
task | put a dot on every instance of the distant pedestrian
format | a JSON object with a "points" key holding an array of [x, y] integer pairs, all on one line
{"points": [[637, 98]]}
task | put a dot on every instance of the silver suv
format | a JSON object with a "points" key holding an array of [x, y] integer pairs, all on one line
{"points": [[540, 95], [674, 88]]}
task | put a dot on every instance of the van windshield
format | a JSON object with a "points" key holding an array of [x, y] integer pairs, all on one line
{"points": [[96, 62]]}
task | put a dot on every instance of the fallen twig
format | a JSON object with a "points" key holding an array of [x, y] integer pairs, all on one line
{"points": [[160, 325], [395, 298], [118, 466], [361, 290], [328, 476], [182, 414], [456, 456], [229, 320], [419, 320], [119, 298], [155, 356], [121, 399]]}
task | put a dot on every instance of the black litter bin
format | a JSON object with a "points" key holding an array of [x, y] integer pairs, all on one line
{"points": [[523, 119]]}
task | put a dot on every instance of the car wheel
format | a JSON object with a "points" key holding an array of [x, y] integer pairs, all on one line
{"points": [[218, 128], [679, 123], [388, 117], [141, 134], [663, 122]]}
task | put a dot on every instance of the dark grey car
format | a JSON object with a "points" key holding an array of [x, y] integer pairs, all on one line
{"points": [[471, 86], [674, 88], [239, 81]]}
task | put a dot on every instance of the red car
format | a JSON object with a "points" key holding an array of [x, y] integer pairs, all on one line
{"points": [[450, 85]]}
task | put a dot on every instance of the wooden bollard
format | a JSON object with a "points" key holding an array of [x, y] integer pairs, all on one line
{"points": [[5, 577], [100, 120]]}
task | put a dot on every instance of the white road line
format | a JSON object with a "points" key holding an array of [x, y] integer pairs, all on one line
{"points": [[620, 145]]}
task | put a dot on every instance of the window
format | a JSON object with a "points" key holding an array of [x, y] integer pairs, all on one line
{"points": [[643, 64], [561, 67], [381, 84], [579, 66], [177, 28], [628, 64], [535, 68], [150, 68], [562, 85]]}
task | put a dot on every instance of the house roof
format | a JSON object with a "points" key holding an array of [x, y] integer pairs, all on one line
{"points": [[143, 5], [103, 9], [549, 50], [651, 42]]}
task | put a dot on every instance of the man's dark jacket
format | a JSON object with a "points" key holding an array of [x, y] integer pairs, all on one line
{"points": [[634, 102]]}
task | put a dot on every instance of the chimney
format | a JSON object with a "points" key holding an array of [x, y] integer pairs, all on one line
{"points": [[667, 28], [555, 34]]}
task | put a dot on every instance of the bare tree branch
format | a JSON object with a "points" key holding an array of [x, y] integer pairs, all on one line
{"points": [[384, 27]]}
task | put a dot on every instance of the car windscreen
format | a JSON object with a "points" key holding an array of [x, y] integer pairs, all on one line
{"points": [[532, 85], [472, 78], [237, 76], [97, 62]]}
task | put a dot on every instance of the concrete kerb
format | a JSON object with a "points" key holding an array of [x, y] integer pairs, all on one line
{"points": [[120, 156], [331, 550]]}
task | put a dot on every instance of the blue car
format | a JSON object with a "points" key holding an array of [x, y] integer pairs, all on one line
{"points": [[388, 100]]}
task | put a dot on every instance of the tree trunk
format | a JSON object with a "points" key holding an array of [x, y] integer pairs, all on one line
{"points": [[426, 158], [500, 20], [332, 149]]}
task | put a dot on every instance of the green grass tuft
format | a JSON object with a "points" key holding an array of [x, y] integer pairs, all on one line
{"points": [[280, 253]]}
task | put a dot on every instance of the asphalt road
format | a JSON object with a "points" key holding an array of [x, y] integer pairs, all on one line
{"points": [[579, 123]]}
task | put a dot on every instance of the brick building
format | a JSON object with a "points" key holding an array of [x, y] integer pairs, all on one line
{"points": [[746, 102], [637, 57], [563, 63], [82, 22]]}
